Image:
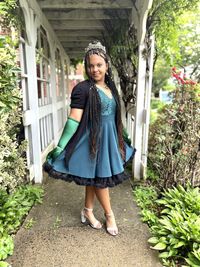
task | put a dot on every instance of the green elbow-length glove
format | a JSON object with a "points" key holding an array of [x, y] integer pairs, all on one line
{"points": [[70, 128], [126, 137]]}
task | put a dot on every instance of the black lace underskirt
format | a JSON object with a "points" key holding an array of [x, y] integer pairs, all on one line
{"points": [[97, 181]]}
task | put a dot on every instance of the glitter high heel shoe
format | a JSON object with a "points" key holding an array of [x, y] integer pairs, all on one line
{"points": [[111, 230], [86, 220]]}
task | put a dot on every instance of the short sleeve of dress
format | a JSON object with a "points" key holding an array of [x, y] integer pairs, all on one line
{"points": [[78, 97]]}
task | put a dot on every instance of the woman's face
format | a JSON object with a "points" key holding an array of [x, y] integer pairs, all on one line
{"points": [[97, 68]]}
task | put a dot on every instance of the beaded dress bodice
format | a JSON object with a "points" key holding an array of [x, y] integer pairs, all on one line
{"points": [[108, 105]]}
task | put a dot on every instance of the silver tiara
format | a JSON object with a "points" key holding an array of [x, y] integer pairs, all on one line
{"points": [[95, 45]]}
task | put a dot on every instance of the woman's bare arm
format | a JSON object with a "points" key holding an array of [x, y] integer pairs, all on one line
{"points": [[76, 114]]}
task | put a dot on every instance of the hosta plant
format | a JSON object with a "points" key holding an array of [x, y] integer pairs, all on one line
{"points": [[175, 226], [177, 232]]}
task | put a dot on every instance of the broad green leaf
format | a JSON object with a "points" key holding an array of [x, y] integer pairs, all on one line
{"points": [[159, 246], [153, 240], [4, 264], [164, 255], [180, 244], [192, 263]]}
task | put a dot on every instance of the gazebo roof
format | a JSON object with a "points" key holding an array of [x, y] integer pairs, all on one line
{"points": [[77, 22]]}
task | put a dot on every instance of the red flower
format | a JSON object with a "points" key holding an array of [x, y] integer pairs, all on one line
{"points": [[182, 81], [192, 82]]}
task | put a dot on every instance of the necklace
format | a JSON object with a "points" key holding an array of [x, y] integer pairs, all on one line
{"points": [[103, 86], [105, 89]]}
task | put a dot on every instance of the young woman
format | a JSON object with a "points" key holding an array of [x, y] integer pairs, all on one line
{"points": [[91, 150]]}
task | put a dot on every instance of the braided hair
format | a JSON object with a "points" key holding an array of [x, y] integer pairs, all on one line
{"points": [[95, 105]]}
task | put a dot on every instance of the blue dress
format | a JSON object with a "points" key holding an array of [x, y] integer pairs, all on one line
{"points": [[107, 168]]}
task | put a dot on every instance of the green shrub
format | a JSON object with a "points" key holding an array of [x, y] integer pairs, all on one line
{"points": [[9, 13], [156, 104], [6, 246], [145, 197], [13, 209], [174, 137], [10, 93], [156, 107], [174, 221], [12, 162], [152, 176]]}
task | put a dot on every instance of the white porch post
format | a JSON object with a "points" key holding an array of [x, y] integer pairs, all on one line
{"points": [[35, 130], [53, 91], [30, 116], [139, 116], [140, 136], [149, 78]]}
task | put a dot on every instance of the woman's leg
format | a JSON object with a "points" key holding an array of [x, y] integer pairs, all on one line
{"points": [[104, 198], [89, 197], [89, 204]]}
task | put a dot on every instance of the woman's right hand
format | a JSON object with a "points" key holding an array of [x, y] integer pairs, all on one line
{"points": [[75, 114], [54, 153]]}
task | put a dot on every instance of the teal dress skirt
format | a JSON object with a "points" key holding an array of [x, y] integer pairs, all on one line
{"points": [[107, 168]]}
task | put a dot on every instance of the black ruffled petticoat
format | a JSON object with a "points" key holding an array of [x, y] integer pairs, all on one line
{"points": [[97, 181]]}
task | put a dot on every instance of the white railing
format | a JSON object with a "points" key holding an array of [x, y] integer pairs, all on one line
{"points": [[44, 113], [46, 131]]}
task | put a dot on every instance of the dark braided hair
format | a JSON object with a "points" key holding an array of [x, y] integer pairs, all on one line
{"points": [[95, 105], [94, 118]]}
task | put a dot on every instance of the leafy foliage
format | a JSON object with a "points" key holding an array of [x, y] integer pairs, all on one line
{"points": [[176, 29], [4, 264], [165, 21], [12, 162], [187, 54], [9, 13], [122, 45], [156, 107], [161, 75], [146, 197], [10, 94], [174, 220], [13, 208], [174, 136], [163, 14]]}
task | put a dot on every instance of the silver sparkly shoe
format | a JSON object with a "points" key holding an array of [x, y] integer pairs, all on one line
{"points": [[86, 220], [111, 230]]}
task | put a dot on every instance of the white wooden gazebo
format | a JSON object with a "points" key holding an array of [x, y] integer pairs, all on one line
{"points": [[55, 32]]}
